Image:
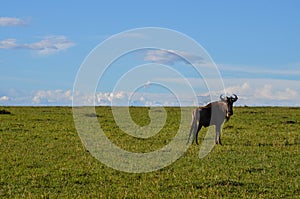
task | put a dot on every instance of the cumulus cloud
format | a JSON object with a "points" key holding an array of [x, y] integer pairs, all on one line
{"points": [[48, 45], [245, 87], [261, 92], [48, 97], [269, 93], [147, 84], [109, 98], [12, 21], [171, 57], [243, 90], [251, 92], [4, 98], [8, 44]]}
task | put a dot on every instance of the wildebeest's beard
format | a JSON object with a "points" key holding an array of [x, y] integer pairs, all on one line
{"points": [[227, 117], [228, 114]]}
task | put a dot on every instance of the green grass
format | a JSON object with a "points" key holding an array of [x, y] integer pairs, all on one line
{"points": [[42, 157]]}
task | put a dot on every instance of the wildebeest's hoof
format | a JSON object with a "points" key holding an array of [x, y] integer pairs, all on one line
{"points": [[218, 142]]}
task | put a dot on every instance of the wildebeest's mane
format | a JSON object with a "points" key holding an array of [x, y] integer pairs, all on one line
{"points": [[211, 104]]}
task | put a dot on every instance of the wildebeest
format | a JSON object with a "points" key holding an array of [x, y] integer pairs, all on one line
{"points": [[213, 113]]}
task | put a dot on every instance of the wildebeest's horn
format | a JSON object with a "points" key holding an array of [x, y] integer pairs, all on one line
{"points": [[235, 97], [223, 98]]}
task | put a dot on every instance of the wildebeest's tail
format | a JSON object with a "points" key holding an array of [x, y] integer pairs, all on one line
{"points": [[194, 125]]}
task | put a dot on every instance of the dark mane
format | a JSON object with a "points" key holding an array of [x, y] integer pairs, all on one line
{"points": [[209, 105]]}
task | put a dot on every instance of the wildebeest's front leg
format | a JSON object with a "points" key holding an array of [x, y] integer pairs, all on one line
{"points": [[196, 136], [218, 135]]}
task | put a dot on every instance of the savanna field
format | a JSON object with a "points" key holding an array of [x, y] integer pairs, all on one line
{"points": [[42, 156]]}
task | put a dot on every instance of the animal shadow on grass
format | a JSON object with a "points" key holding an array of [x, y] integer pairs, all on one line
{"points": [[226, 183], [3, 111], [290, 122]]}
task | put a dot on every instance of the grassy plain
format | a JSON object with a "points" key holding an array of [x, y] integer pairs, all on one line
{"points": [[42, 157]]}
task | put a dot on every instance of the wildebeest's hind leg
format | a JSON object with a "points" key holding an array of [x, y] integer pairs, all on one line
{"points": [[218, 135], [194, 125]]}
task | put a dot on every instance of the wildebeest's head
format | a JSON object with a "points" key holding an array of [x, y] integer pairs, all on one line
{"points": [[229, 101]]}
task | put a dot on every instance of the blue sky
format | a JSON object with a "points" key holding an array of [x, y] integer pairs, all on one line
{"points": [[255, 45]]}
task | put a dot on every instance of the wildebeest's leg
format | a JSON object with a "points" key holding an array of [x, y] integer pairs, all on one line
{"points": [[218, 135], [196, 136], [194, 124]]}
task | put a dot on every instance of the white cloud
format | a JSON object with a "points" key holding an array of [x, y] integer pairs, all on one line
{"points": [[171, 57], [51, 45], [269, 93], [48, 45], [147, 84], [12, 21], [109, 98], [8, 44], [56, 97], [4, 98], [260, 92], [245, 87], [251, 92]]}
